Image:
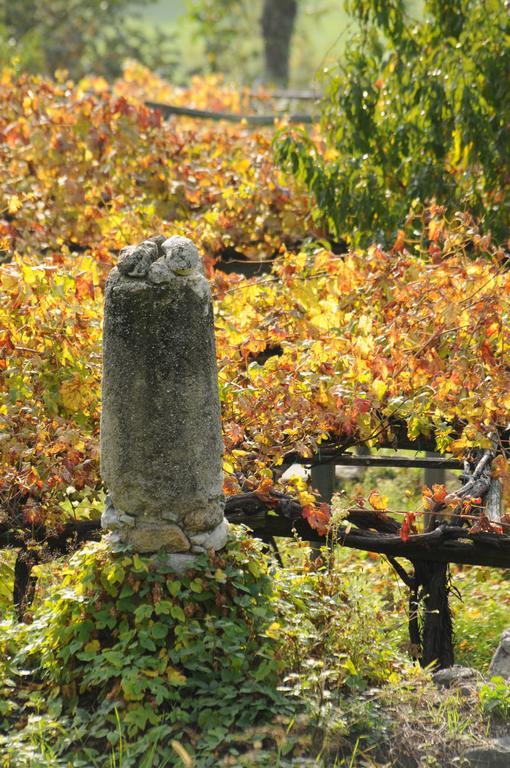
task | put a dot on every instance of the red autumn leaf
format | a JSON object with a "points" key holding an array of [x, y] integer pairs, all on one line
{"points": [[408, 526], [318, 517], [486, 354], [362, 405], [6, 341], [32, 514], [484, 525]]}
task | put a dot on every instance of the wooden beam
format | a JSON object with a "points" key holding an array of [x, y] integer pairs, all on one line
{"points": [[167, 110], [446, 544], [295, 95], [350, 460]]}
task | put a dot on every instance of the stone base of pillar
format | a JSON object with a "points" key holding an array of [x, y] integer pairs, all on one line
{"points": [[146, 535], [180, 563]]}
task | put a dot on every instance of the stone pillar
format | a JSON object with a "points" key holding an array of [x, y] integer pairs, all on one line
{"points": [[161, 446]]}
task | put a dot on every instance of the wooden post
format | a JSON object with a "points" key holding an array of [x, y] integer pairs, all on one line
{"points": [[323, 480], [432, 476]]}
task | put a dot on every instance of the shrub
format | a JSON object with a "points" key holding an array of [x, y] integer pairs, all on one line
{"points": [[124, 642], [495, 697]]}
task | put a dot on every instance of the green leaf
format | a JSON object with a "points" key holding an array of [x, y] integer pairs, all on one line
{"points": [[178, 613], [143, 612], [159, 631], [174, 587]]}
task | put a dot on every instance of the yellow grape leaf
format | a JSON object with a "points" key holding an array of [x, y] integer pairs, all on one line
{"points": [[29, 274], [377, 501], [175, 677], [228, 467], [273, 629], [9, 280], [14, 204], [74, 394], [379, 387], [150, 672], [306, 498]]}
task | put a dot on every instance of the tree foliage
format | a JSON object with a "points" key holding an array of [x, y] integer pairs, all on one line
{"points": [[80, 37], [418, 111], [221, 25], [252, 40]]}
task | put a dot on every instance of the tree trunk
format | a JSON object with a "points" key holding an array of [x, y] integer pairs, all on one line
{"points": [[277, 22]]}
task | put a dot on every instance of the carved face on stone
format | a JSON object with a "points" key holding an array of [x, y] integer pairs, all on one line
{"points": [[159, 260], [135, 260], [181, 256]]}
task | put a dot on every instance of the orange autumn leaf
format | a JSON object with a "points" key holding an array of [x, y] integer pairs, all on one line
{"points": [[264, 488], [234, 432], [439, 493], [400, 240], [84, 287], [435, 496], [230, 485], [499, 466]]}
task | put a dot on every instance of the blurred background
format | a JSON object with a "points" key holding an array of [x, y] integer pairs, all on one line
{"points": [[278, 42]]}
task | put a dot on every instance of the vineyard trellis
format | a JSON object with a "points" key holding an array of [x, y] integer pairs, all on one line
{"points": [[279, 515]]}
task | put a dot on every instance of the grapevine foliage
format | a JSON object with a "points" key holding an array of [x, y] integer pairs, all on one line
{"points": [[326, 348]]}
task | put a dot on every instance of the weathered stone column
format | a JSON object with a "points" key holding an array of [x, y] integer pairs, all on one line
{"points": [[161, 447]]}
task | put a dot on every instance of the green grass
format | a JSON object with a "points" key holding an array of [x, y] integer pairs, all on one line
{"points": [[482, 615]]}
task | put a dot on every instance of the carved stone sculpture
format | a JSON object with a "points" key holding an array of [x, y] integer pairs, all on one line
{"points": [[161, 448]]}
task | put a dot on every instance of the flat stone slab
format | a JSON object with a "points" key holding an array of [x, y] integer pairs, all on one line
{"points": [[495, 754], [455, 676]]}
